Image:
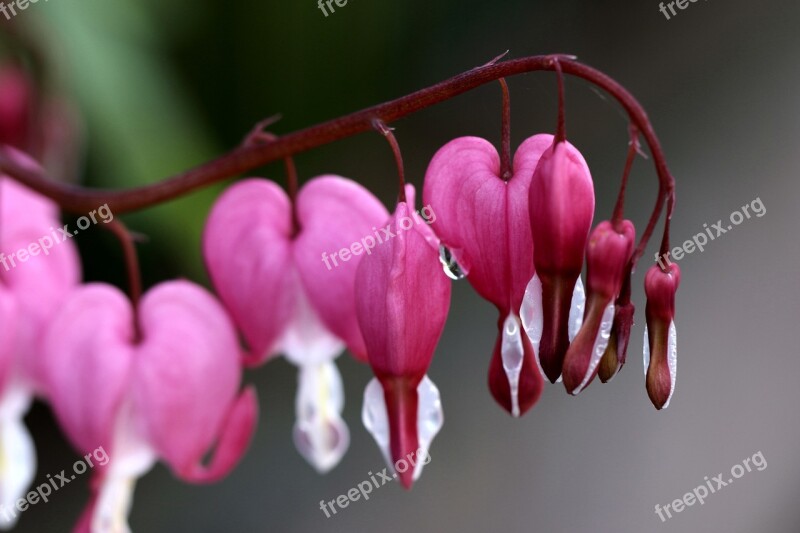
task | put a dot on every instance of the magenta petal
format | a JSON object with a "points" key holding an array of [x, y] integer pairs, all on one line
{"points": [[186, 373], [336, 213], [402, 300], [248, 252], [88, 355], [483, 219], [8, 329], [240, 425]]}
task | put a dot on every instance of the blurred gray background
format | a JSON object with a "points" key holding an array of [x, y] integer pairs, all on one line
{"points": [[167, 85]]}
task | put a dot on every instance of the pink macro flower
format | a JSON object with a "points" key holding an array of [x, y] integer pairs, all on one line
{"points": [[37, 272], [169, 392], [660, 338], [287, 278], [561, 211], [402, 301], [607, 255], [483, 221]]}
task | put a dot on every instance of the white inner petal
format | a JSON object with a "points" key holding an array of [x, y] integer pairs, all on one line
{"points": [[513, 354], [307, 341], [532, 316], [600, 344], [130, 458], [430, 418], [320, 434], [576, 310], [646, 353], [17, 452], [672, 360]]}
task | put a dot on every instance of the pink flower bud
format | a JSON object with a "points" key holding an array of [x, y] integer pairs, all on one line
{"points": [[607, 255], [660, 336], [561, 203]]}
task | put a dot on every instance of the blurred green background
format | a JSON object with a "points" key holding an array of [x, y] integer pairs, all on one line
{"points": [[163, 86]]}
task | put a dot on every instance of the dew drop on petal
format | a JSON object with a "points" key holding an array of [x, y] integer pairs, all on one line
{"points": [[576, 310], [449, 264], [430, 418], [512, 354], [600, 345], [320, 434]]}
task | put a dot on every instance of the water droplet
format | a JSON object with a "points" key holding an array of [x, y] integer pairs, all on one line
{"points": [[449, 264]]}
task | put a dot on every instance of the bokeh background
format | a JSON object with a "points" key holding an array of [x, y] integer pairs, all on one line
{"points": [[162, 86]]}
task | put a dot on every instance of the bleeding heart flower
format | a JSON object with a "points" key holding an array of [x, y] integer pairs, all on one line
{"points": [[561, 211], [402, 300], [172, 394], [482, 219], [287, 294], [660, 338], [33, 285], [607, 255]]}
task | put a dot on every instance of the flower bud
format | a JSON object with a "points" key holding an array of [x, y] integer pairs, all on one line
{"points": [[608, 254], [660, 338]]}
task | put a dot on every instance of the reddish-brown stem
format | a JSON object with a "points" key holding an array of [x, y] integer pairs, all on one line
{"points": [[246, 158], [561, 130], [386, 131], [291, 187], [505, 133], [131, 259], [633, 149]]}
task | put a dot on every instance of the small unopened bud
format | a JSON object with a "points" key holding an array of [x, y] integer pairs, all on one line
{"points": [[660, 337]]}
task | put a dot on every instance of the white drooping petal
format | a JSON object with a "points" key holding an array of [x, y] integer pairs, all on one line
{"points": [[17, 451], [130, 458], [320, 434], [600, 345], [532, 316], [430, 418], [672, 358], [512, 354], [576, 310]]}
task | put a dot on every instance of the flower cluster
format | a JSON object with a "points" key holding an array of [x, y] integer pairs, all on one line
{"points": [[159, 378]]}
